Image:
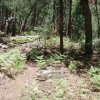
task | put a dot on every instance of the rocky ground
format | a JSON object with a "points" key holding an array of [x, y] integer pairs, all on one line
{"points": [[47, 84], [59, 84]]}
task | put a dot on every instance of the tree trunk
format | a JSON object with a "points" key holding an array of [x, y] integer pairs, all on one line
{"points": [[69, 20], [61, 25], [88, 27], [56, 17], [14, 26], [96, 5], [26, 19]]}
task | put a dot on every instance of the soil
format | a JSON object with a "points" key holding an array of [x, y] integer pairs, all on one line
{"points": [[10, 89], [77, 86]]}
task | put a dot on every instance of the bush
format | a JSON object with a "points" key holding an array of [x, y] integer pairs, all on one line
{"points": [[72, 66], [21, 40], [37, 55], [96, 44], [33, 54], [94, 73], [12, 61]]}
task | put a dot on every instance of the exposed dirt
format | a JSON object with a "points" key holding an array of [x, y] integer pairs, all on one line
{"points": [[10, 89], [77, 87]]}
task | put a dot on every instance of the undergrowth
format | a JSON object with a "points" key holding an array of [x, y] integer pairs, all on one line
{"points": [[94, 73], [21, 40], [34, 92], [12, 61], [42, 60]]}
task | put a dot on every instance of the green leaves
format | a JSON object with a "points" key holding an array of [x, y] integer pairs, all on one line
{"points": [[13, 59], [60, 88], [72, 65], [94, 73]]}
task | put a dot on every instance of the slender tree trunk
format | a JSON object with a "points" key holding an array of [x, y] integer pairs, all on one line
{"points": [[61, 25], [26, 19], [88, 27], [54, 11], [96, 5], [56, 17], [34, 13], [69, 20], [14, 26]]}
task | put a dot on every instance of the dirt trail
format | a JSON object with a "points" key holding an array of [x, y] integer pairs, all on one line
{"points": [[10, 89]]}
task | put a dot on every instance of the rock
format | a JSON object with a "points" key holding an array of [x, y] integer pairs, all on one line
{"points": [[0, 45], [4, 47], [1, 77], [43, 75]]}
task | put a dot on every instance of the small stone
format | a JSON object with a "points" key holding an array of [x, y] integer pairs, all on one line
{"points": [[4, 47], [1, 77], [41, 78]]}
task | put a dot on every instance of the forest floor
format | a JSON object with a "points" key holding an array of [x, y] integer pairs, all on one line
{"points": [[50, 83], [26, 85], [10, 88]]}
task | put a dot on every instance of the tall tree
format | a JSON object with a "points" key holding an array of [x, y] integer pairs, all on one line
{"points": [[88, 26], [69, 19], [96, 5], [61, 25]]}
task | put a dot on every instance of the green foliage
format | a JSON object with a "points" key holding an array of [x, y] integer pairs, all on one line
{"points": [[42, 60], [28, 33], [54, 41], [72, 65], [53, 59], [94, 73], [21, 40], [32, 91], [78, 20], [33, 55], [60, 89], [12, 60], [42, 32], [96, 44]]}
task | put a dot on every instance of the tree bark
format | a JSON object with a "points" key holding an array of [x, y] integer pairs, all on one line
{"points": [[69, 20], [88, 26], [26, 19], [61, 25], [96, 5]]}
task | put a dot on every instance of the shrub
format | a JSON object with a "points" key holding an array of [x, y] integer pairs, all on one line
{"points": [[12, 61], [72, 66], [96, 44], [94, 73]]}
